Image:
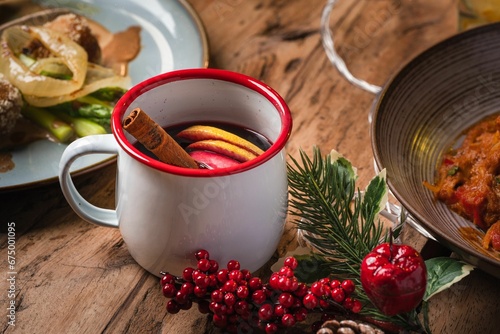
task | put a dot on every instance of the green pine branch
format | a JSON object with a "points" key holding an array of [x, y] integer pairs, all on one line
{"points": [[339, 221], [341, 225]]}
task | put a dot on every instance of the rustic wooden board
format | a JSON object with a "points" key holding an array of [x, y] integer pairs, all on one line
{"points": [[74, 277]]}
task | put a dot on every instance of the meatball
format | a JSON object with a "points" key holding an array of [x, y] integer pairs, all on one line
{"points": [[11, 102]]}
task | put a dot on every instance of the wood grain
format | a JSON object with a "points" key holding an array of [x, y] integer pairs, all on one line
{"points": [[74, 277]]}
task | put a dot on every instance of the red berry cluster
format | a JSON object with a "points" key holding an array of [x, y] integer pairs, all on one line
{"points": [[238, 301]]}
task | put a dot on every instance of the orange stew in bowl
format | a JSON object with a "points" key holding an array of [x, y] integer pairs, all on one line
{"points": [[469, 179]]}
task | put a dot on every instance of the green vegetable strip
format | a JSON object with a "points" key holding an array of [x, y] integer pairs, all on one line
{"points": [[88, 99], [87, 115], [82, 126], [58, 128], [96, 111], [110, 94]]}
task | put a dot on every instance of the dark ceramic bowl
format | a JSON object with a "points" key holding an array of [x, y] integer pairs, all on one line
{"points": [[422, 112]]}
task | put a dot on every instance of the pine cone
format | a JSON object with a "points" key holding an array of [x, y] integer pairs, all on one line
{"points": [[347, 327]]}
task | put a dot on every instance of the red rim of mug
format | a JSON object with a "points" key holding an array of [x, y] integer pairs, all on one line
{"points": [[201, 73]]}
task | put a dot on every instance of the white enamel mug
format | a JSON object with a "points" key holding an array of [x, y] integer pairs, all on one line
{"points": [[166, 213]]}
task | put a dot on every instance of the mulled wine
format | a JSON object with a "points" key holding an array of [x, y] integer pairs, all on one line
{"points": [[215, 144]]}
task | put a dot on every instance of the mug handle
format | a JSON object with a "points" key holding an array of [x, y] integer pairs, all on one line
{"points": [[84, 146]]}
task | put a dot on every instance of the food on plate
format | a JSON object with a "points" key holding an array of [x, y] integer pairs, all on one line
{"points": [[58, 68], [11, 102], [468, 179], [207, 146]]}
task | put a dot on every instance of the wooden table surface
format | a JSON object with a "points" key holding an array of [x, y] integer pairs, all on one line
{"points": [[74, 277]]}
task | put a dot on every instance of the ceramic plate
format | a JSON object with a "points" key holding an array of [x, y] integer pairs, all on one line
{"points": [[172, 37]]}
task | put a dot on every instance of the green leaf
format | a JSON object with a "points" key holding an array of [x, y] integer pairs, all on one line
{"points": [[375, 196], [443, 272], [377, 191], [336, 157]]}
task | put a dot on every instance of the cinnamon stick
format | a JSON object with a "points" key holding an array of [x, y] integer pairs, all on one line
{"points": [[156, 139]]}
